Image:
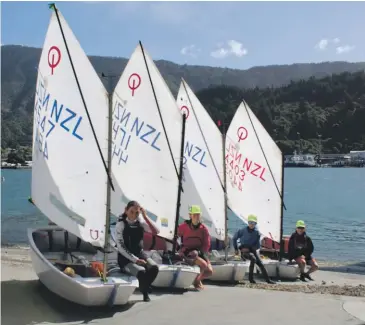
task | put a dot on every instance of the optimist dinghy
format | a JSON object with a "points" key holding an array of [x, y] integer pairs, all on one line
{"points": [[147, 143], [255, 184], [204, 180], [69, 175]]}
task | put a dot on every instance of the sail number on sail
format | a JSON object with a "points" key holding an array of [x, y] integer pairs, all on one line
{"points": [[239, 167], [124, 126], [47, 120], [195, 153]]}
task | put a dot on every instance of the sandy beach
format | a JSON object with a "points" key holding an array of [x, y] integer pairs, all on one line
{"points": [[336, 297]]}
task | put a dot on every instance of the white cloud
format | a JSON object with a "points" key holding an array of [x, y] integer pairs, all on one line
{"points": [[344, 49], [336, 40], [322, 44], [234, 48], [190, 50]]}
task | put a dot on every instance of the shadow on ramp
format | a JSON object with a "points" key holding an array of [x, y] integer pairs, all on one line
{"points": [[30, 302], [354, 268], [221, 283], [159, 291]]}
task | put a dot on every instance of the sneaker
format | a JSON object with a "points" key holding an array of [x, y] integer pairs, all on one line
{"points": [[271, 282], [146, 297], [252, 281], [307, 276], [302, 278]]}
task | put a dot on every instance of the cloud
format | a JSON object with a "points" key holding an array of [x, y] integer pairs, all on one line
{"points": [[322, 44], [344, 49], [234, 48], [190, 50]]}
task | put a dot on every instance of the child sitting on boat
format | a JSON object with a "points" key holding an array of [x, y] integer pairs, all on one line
{"points": [[249, 244], [301, 249], [195, 243], [130, 229]]}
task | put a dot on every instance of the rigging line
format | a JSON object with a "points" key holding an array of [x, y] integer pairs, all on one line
{"points": [[53, 6], [158, 108], [205, 141], [263, 152]]}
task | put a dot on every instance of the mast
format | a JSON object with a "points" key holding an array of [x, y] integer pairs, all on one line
{"points": [[178, 173], [282, 204], [281, 252], [180, 184], [108, 187], [225, 192], [224, 185]]}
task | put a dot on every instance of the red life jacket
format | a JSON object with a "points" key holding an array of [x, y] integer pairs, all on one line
{"points": [[193, 237]]}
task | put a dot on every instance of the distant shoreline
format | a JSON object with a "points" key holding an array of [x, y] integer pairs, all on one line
{"points": [[291, 167], [16, 167], [14, 252]]}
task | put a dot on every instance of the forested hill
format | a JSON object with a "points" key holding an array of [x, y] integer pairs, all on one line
{"points": [[326, 115], [18, 73]]}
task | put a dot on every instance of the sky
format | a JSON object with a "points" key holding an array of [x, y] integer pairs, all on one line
{"points": [[237, 35]]}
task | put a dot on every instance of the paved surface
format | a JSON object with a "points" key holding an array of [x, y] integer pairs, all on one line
{"points": [[24, 301], [356, 309]]}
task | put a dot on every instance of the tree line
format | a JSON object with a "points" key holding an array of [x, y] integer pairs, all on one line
{"points": [[315, 115]]}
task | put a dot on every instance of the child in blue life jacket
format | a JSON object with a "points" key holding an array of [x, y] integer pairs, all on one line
{"points": [[249, 237]]}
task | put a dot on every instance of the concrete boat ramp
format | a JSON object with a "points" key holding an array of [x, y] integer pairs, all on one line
{"points": [[25, 301]]}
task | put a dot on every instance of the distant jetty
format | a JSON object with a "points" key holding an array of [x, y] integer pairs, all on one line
{"points": [[16, 167], [353, 159], [6, 165]]}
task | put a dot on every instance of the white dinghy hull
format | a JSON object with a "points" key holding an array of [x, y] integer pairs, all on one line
{"points": [[232, 271], [288, 271], [87, 291], [176, 276], [282, 269]]}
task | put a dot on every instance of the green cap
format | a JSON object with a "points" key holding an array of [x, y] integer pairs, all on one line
{"points": [[300, 224], [252, 218], [194, 209]]}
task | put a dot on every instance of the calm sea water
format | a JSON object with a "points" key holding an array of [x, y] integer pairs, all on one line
{"points": [[330, 200]]}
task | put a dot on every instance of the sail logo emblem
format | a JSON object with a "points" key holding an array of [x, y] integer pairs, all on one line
{"points": [[185, 110], [164, 222], [134, 82], [242, 133], [54, 57]]}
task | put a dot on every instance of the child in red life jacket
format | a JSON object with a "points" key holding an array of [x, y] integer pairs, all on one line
{"points": [[195, 243]]}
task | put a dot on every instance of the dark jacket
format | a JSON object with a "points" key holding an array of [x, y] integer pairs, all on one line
{"points": [[129, 239], [300, 245], [249, 238]]}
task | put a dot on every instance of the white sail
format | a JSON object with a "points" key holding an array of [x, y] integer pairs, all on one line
{"points": [[203, 163], [250, 187], [68, 177], [142, 163]]}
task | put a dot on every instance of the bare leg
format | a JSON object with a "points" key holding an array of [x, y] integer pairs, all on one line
{"points": [[314, 266], [205, 271], [301, 263]]}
